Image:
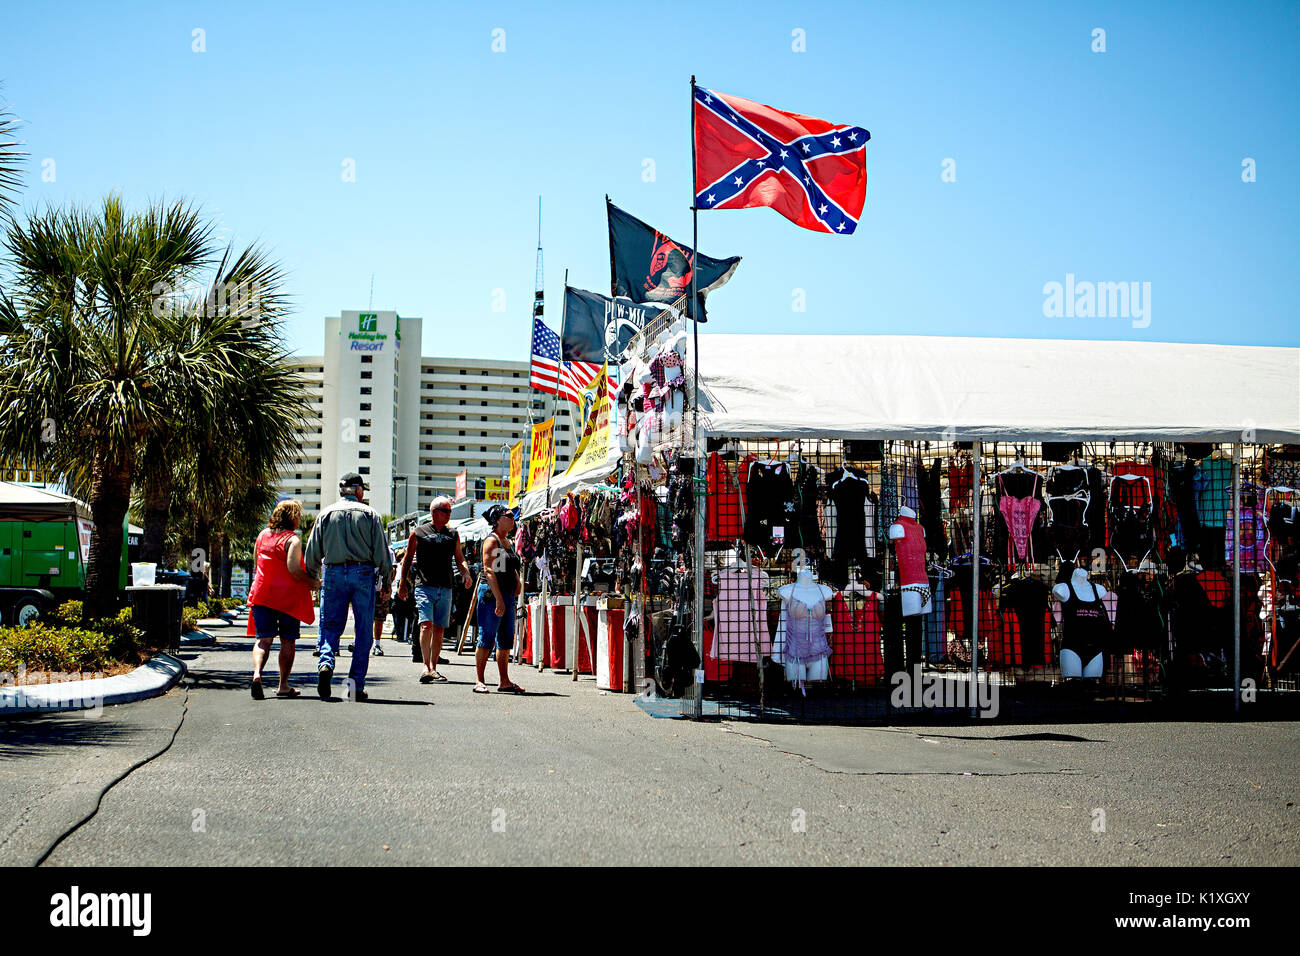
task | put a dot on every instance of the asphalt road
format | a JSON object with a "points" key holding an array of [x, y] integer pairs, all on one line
{"points": [[434, 774]]}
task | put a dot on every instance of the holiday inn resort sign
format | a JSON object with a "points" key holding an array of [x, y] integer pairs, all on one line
{"points": [[368, 338]]}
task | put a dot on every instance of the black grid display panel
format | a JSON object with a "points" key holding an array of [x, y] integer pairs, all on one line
{"points": [[1105, 574]]}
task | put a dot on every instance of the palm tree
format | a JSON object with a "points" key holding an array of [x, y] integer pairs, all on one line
{"points": [[11, 161], [221, 450]]}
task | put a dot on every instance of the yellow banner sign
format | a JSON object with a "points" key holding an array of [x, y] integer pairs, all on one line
{"points": [[593, 447], [494, 489], [542, 459], [516, 472]]}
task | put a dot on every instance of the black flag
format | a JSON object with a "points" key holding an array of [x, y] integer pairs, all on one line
{"points": [[646, 266], [597, 327]]}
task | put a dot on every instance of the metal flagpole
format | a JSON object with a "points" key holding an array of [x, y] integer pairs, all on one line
{"points": [[539, 296], [701, 485], [1236, 577], [559, 373], [973, 608]]}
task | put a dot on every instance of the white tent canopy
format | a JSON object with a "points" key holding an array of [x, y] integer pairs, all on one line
{"points": [[968, 389]]}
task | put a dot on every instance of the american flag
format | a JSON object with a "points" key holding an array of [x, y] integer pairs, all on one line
{"points": [[546, 372]]}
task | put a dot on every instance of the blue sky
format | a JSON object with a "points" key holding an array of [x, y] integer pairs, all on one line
{"points": [[1122, 166]]}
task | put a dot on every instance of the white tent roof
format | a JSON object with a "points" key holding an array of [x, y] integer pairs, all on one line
{"points": [[966, 389], [35, 504]]}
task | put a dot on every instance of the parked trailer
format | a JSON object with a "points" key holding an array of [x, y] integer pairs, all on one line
{"points": [[44, 549]]}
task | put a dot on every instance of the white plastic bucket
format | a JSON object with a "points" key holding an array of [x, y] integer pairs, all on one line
{"points": [[143, 574]]}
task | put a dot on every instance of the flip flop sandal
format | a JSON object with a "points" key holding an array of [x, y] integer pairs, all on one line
{"points": [[437, 678], [256, 690], [511, 689], [426, 678], [291, 692], [482, 690]]}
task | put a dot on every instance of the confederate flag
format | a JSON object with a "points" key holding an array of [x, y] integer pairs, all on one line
{"points": [[809, 170]]}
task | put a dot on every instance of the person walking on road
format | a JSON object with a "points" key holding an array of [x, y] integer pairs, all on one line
{"points": [[348, 540], [280, 599], [433, 553], [497, 596]]}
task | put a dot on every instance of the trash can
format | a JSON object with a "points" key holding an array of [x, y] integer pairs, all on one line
{"points": [[156, 610]]}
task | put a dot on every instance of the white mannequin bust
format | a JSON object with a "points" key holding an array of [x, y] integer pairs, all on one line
{"points": [[1083, 588], [912, 600]]}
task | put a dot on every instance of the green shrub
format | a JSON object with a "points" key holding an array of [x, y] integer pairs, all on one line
{"points": [[69, 613], [47, 647], [189, 619]]}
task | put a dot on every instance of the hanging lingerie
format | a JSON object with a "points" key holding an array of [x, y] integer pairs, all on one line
{"points": [[1130, 515], [1085, 625], [1067, 502], [1018, 513], [805, 626]]}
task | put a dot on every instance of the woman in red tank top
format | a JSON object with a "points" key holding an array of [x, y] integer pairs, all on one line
{"points": [[280, 599]]}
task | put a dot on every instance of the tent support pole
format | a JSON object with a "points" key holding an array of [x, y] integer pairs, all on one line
{"points": [[1236, 577], [973, 608]]}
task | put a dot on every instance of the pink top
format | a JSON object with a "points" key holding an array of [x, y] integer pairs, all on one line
{"points": [[741, 609]]}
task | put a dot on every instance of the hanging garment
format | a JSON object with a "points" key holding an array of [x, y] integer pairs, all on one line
{"points": [[1085, 625], [1202, 612], [961, 475], [1018, 507], [850, 494], [1187, 531], [1067, 502], [1131, 505], [722, 524], [1255, 530], [742, 615], [901, 634], [1212, 486], [888, 513], [769, 500], [957, 590], [1026, 635], [931, 513], [855, 624], [1096, 513], [936, 629], [804, 531], [805, 617], [909, 484], [1141, 622], [910, 551], [1061, 450]]}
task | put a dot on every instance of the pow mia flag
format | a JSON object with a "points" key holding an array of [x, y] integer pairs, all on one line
{"points": [[647, 266], [597, 328]]}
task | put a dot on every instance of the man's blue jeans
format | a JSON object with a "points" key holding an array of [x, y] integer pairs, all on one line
{"points": [[341, 586]]}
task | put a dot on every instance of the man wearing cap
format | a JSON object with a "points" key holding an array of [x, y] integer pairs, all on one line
{"points": [[348, 539]]}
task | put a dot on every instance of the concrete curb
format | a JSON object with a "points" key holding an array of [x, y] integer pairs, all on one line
{"points": [[197, 639], [215, 622], [151, 679]]}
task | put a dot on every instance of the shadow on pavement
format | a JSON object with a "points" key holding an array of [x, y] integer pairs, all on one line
{"points": [[30, 736]]}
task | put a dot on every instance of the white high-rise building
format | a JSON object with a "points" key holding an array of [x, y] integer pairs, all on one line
{"points": [[408, 423]]}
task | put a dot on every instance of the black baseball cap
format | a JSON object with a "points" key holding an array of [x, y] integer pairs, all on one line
{"points": [[352, 478]]}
